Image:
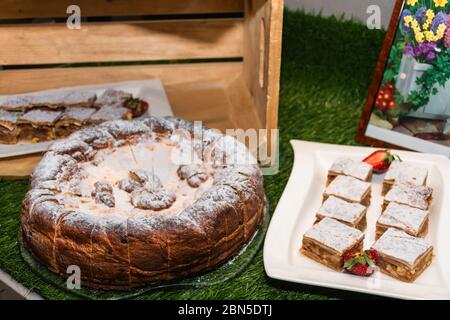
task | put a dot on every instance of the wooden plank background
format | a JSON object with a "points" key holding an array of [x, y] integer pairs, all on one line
{"points": [[121, 41], [25, 9]]}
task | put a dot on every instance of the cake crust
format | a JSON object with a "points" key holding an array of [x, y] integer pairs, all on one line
{"points": [[120, 246]]}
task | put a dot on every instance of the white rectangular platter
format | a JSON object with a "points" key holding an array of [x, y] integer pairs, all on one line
{"points": [[150, 90], [296, 210]]}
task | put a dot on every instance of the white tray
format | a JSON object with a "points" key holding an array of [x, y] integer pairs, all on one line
{"points": [[149, 90], [295, 214]]}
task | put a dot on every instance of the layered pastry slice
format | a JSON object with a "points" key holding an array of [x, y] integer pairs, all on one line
{"points": [[410, 220], [64, 100], [409, 194], [111, 107], [73, 119], [349, 189], [113, 97], [110, 112], [351, 214], [349, 167], [403, 172], [15, 103], [9, 130], [38, 125], [329, 240], [402, 256]]}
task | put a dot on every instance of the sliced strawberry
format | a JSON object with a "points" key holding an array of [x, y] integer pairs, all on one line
{"points": [[137, 106], [381, 160], [361, 264]]}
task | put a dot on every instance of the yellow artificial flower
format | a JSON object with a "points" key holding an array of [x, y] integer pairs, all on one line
{"points": [[412, 2], [440, 3], [408, 20], [442, 27], [420, 37], [429, 36]]}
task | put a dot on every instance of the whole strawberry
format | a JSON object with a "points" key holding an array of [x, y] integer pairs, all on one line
{"points": [[137, 106], [362, 263], [381, 160]]}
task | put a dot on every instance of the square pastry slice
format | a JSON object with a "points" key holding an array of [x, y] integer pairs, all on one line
{"points": [[329, 240], [16, 103], [349, 189], [113, 97], [411, 195], [411, 220], [38, 125], [110, 112], [9, 130], [403, 172], [351, 214], [73, 119], [349, 167], [402, 256], [66, 99]]}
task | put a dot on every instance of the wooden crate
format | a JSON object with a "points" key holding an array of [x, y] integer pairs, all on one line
{"points": [[218, 59]]}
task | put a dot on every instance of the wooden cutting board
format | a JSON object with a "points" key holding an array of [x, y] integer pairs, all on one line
{"points": [[19, 167]]}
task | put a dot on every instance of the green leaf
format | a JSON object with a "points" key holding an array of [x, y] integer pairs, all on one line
{"points": [[349, 263]]}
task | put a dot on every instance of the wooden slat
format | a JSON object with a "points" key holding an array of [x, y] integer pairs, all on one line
{"points": [[262, 58], [21, 81], [121, 41], [25, 9]]}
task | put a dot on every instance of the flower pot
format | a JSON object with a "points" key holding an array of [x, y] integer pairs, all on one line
{"points": [[411, 70]]}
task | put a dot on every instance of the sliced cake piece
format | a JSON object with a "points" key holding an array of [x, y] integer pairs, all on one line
{"points": [[9, 130], [66, 99], [110, 112], [113, 97], [402, 256], [38, 125], [419, 197], [329, 240], [403, 172], [349, 189], [351, 214], [16, 103], [411, 220], [73, 119], [349, 167]]}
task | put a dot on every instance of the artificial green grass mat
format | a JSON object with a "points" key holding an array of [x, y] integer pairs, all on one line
{"points": [[326, 71]]}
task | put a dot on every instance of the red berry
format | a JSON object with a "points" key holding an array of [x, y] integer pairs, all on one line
{"points": [[372, 254], [362, 270], [381, 160], [347, 256]]}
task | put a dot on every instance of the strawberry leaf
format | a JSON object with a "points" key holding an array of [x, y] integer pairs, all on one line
{"points": [[369, 261], [349, 263]]}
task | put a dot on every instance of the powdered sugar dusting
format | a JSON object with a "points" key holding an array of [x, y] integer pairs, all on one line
{"points": [[350, 167], [403, 172], [411, 195], [146, 152], [10, 116], [403, 217], [334, 235], [81, 114], [342, 210], [39, 116], [348, 188]]}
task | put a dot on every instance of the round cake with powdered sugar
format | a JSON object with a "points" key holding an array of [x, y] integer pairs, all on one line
{"points": [[137, 202]]}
